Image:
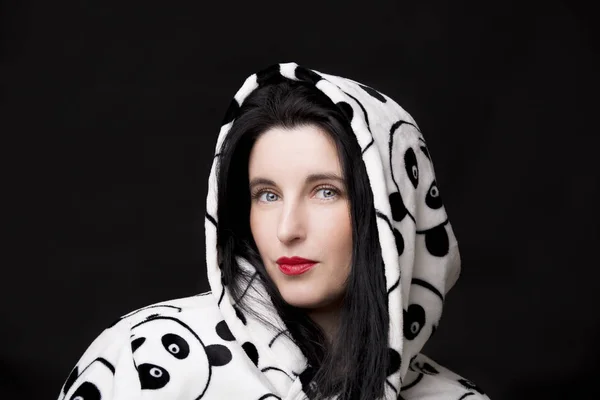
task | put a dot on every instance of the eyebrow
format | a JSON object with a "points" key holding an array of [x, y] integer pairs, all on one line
{"points": [[309, 179]]}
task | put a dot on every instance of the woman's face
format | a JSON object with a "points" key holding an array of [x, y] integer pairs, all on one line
{"points": [[300, 208]]}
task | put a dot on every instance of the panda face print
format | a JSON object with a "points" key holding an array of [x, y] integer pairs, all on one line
{"points": [[415, 192], [168, 355], [420, 316], [93, 382]]}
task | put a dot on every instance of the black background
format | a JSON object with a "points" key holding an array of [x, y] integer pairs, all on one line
{"points": [[111, 111]]}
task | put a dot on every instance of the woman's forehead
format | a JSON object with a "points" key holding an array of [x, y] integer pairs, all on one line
{"points": [[304, 151]]}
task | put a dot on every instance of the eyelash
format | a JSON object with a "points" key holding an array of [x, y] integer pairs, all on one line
{"points": [[256, 195]]}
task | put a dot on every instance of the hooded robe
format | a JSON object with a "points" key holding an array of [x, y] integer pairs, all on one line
{"points": [[205, 347]]}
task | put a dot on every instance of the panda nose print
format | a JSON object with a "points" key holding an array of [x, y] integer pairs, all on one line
{"points": [[176, 345]]}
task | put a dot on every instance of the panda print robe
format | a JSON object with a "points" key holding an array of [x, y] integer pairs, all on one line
{"points": [[204, 347]]}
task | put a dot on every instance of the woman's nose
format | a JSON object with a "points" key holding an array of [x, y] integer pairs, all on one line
{"points": [[291, 224]]}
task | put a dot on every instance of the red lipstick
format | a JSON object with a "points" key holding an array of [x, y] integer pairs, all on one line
{"points": [[295, 265]]}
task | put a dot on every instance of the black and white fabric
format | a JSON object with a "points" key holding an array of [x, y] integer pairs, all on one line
{"points": [[205, 347]]}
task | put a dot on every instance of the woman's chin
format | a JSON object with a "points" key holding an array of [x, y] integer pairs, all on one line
{"points": [[301, 297]]}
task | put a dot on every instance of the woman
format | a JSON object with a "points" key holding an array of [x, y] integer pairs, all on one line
{"points": [[328, 253]]}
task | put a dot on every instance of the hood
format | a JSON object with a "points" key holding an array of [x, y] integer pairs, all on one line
{"points": [[419, 248]]}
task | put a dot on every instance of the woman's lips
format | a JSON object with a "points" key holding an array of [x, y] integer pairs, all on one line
{"points": [[294, 265], [294, 260], [296, 269]]}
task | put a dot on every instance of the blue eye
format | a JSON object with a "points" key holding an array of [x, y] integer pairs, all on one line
{"points": [[269, 197], [332, 191], [260, 196]]}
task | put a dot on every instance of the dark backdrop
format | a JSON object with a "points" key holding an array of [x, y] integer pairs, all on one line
{"points": [[111, 111]]}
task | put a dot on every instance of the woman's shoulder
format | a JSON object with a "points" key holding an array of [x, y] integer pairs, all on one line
{"points": [[203, 306], [198, 315], [122, 358]]}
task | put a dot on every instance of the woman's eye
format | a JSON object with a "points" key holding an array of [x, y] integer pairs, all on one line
{"points": [[328, 192], [267, 196]]}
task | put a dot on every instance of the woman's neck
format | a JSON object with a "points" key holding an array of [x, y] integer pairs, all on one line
{"points": [[328, 319]]}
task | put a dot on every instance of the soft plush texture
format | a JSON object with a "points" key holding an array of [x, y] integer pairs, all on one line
{"points": [[204, 347]]}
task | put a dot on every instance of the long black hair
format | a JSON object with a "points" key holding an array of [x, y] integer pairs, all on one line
{"points": [[354, 365]]}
